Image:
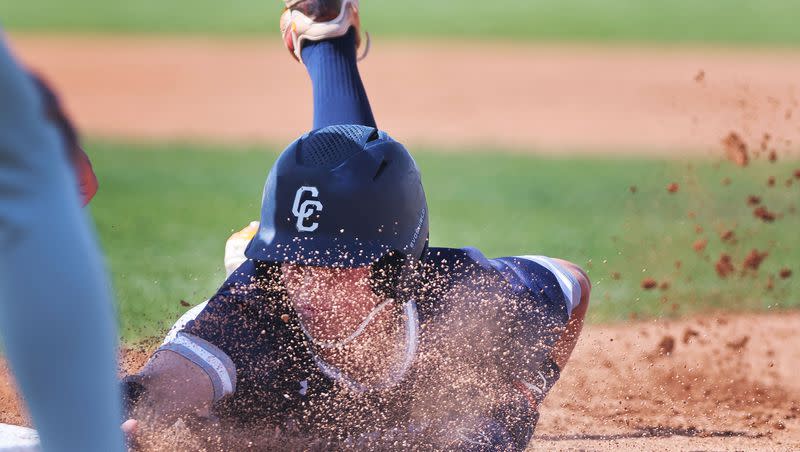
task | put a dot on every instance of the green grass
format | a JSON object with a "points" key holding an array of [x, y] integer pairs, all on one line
{"points": [[164, 213], [717, 21]]}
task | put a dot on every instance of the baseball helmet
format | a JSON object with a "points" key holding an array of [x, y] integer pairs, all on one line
{"points": [[342, 196]]}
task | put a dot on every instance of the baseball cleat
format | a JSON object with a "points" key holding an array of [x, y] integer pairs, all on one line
{"points": [[317, 20]]}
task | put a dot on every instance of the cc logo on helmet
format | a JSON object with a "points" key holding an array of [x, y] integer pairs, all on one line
{"points": [[304, 208]]}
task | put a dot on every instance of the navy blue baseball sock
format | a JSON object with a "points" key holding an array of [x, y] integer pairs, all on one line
{"points": [[339, 94]]}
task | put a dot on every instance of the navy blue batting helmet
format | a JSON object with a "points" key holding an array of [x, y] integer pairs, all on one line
{"points": [[342, 196]]}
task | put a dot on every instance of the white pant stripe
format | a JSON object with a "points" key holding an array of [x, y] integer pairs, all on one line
{"points": [[213, 362], [569, 284]]}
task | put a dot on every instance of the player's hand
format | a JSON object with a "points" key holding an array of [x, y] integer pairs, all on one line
{"points": [[87, 181]]}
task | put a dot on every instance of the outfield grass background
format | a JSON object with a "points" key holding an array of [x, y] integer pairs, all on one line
{"points": [[164, 213], [717, 21]]}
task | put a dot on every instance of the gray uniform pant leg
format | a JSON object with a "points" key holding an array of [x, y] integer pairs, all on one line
{"points": [[56, 314]]}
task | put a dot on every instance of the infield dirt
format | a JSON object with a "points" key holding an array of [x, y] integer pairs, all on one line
{"points": [[449, 95], [713, 382]]}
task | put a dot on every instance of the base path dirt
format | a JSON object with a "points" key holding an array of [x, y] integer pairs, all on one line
{"points": [[705, 383], [444, 94], [724, 382]]}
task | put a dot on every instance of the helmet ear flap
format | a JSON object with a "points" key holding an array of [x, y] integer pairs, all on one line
{"points": [[385, 274], [395, 273]]}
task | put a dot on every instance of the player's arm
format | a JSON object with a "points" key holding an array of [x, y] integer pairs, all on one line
{"points": [[196, 366], [560, 291], [82, 166], [168, 387], [188, 374], [511, 426], [573, 291]]}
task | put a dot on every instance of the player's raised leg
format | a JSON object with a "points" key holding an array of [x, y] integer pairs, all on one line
{"points": [[56, 316], [325, 36]]}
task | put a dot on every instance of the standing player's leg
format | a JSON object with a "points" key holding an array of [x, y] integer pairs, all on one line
{"points": [[327, 34], [56, 315]]}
